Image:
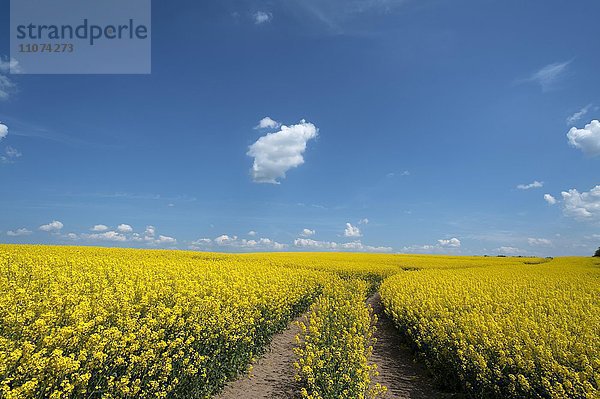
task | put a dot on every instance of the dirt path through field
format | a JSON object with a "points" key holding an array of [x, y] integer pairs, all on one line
{"points": [[395, 362], [272, 375]]}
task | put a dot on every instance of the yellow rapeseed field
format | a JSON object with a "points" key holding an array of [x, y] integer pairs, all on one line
{"points": [[84, 322]]}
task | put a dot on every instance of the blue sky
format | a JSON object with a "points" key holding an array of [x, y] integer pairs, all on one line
{"points": [[395, 126]]}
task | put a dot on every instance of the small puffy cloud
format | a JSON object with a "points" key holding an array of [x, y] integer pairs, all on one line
{"points": [[578, 115], [351, 231], [549, 199], [150, 231], [363, 221], [10, 154], [3, 130], [262, 17], [124, 228], [276, 153], [549, 75], [99, 227], [72, 236], [307, 232], [18, 232], [451, 243], [535, 184], [55, 225], [582, 206], [252, 233], [509, 250], [165, 240], [587, 139], [267, 123], [539, 241], [359, 246], [225, 239]]}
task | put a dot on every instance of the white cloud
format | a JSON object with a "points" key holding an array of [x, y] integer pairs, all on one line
{"points": [[165, 240], [3, 130], [7, 87], [549, 199], [307, 232], [539, 241], [106, 236], [451, 243], [363, 221], [225, 239], [582, 206], [124, 228], [330, 245], [10, 154], [578, 115], [52, 226], [276, 153], [72, 236], [18, 232], [202, 241], [150, 231], [11, 65], [351, 231], [261, 17], [252, 233], [549, 75], [99, 227], [443, 245], [236, 243], [586, 139], [509, 251], [267, 123], [535, 184]]}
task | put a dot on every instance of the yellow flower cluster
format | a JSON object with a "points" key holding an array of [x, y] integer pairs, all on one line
{"points": [[529, 330], [121, 323], [335, 344]]}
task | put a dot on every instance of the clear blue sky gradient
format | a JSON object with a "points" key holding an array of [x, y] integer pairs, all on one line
{"points": [[444, 90]]}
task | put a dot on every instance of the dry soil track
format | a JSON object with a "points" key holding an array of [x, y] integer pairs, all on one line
{"points": [[273, 374]]}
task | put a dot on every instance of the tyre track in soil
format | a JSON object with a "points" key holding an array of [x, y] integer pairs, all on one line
{"points": [[398, 371]]}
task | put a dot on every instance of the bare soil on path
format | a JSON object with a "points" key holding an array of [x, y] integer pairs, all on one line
{"points": [[273, 374], [398, 371]]}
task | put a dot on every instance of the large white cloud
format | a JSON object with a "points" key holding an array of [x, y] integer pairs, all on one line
{"points": [[276, 153], [351, 231], [55, 225], [586, 139], [582, 206]]}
